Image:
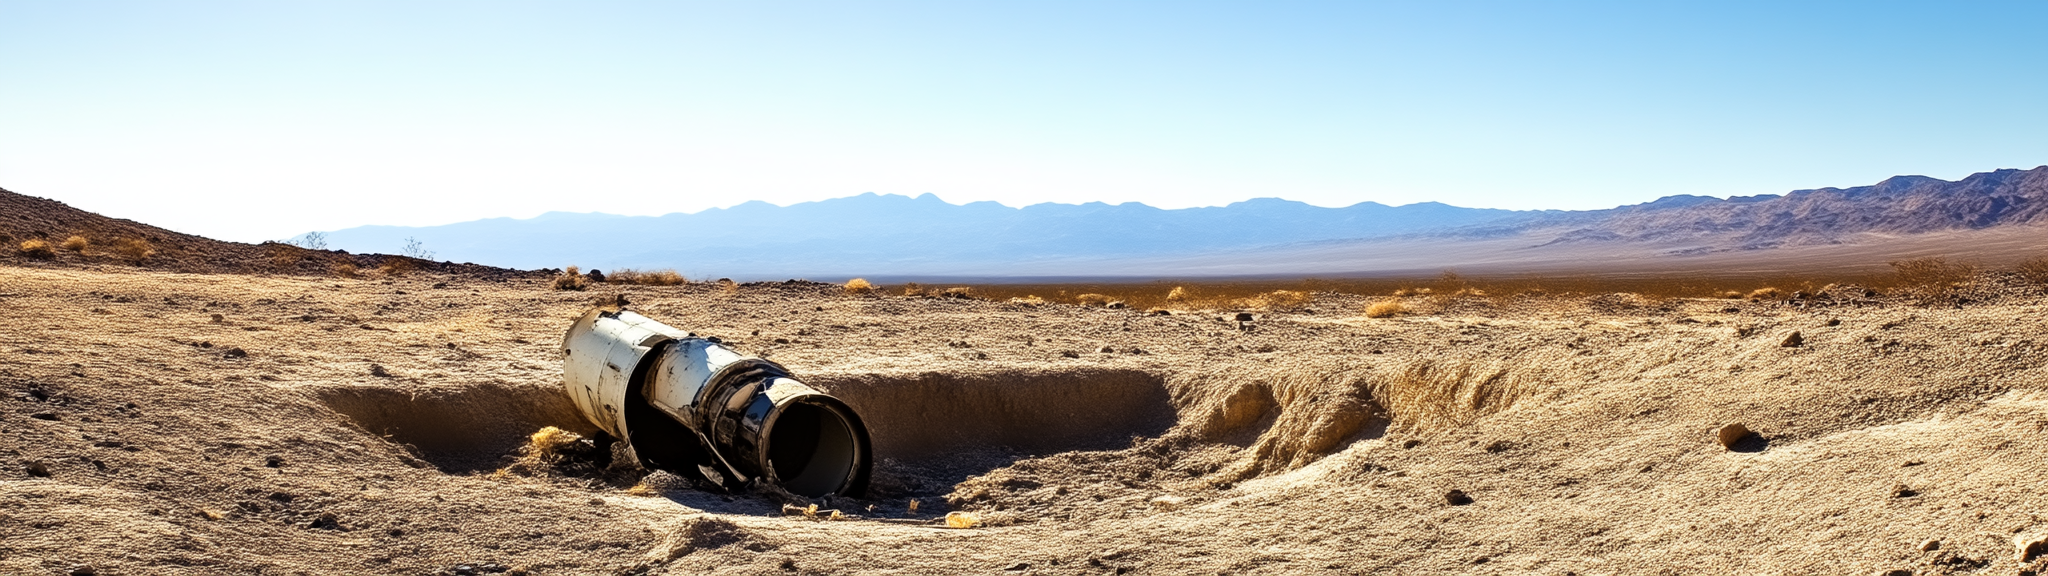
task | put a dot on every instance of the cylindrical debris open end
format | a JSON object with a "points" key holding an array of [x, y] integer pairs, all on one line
{"points": [[694, 407]]}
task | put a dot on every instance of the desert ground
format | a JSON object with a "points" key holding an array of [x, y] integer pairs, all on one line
{"points": [[157, 422]]}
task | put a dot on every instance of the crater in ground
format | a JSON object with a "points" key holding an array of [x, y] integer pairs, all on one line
{"points": [[458, 429]]}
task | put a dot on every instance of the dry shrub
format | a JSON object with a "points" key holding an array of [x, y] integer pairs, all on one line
{"points": [[958, 292], [1766, 294], [553, 451], [962, 520], [1386, 309], [1438, 395], [728, 287], [394, 267], [663, 277], [571, 279], [1028, 300], [76, 243], [1178, 294], [1093, 299], [133, 249], [1277, 300], [859, 286], [282, 254], [38, 249], [2034, 270], [345, 270], [913, 289], [1932, 276]]}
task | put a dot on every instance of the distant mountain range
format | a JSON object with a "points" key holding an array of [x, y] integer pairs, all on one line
{"points": [[901, 237]]}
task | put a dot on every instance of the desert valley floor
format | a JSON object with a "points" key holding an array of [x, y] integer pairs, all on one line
{"points": [[165, 423]]}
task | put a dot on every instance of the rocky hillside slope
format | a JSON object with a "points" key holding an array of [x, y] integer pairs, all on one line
{"points": [[113, 241]]}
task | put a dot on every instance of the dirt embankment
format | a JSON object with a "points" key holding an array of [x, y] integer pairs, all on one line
{"points": [[154, 422]]}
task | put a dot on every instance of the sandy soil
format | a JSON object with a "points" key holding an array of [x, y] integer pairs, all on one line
{"points": [[161, 423]]}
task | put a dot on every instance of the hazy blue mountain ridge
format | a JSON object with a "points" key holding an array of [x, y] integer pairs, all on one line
{"points": [[887, 233], [891, 235]]}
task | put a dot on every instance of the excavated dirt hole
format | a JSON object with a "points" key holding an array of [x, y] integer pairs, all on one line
{"points": [[944, 427], [457, 429]]}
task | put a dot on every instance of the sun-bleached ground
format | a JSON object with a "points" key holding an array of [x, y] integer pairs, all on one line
{"points": [[140, 435]]}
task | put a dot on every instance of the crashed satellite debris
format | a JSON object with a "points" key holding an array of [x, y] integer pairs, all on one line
{"points": [[691, 406]]}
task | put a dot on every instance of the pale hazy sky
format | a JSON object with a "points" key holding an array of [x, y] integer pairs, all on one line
{"points": [[263, 119]]}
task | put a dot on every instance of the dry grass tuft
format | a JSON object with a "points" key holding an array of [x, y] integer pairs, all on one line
{"points": [[1766, 293], [958, 292], [76, 243], [133, 249], [1092, 299], [345, 270], [859, 286], [1178, 294], [553, 451], [571, 279], [664, 277], [38, 249], [1386, 309], [1028, 300], [962, 520], [1278, 300]]}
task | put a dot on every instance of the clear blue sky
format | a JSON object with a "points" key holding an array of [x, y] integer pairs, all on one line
{"points": [[264, 119]]}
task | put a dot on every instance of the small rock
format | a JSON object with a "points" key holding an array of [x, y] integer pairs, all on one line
{"points": [[1018, 567], [83, 570], [1793, 341], [493, 568], [1834, 321], [1161, 312], [1930, 545], [1410, 444], [326, 521], [1457, 498], [1244, 316], [1106, 350], [1896, 572], [37, 468], [1070, 354], [2027, 548], [1902, 491], [464, 570], [232, 353], [379, 371], [44, 416], [1731, 434], [217, 319], [1168, 502], [1119, 305], [273, 461]]}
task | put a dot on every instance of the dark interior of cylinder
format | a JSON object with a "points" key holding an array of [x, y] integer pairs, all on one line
{"points": [[813, 449]]}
